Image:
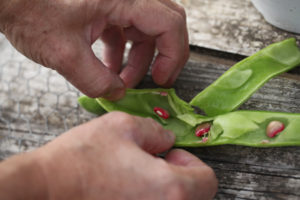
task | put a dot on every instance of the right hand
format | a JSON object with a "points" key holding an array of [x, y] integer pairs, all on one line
{"points": [[59, 34], [112, 157]]}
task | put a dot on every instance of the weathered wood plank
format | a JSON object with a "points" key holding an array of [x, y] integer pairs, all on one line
{"points": [[230, 25], [36, 105]]}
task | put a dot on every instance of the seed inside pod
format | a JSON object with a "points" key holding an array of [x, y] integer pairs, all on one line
{"points": [[164, 94], [161, 112], [204, 139], [265, 141], [274, 128], [202, 129]]}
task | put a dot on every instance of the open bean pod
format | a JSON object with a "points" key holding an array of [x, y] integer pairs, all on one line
{"points": [[221, 126], [237, 84], [248, 128]]}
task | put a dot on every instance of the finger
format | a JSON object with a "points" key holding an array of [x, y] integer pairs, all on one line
{"points": [[173, 77], [174, 6], [177, 71], [180, 10], [199, 180], [168, 26], [180, 65], [139, 59], [133, 34], [114, 45], [143, 132], [78, 64], [169, 58]]}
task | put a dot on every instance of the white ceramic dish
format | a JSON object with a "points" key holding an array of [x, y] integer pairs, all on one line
{"points": [[284, 14]]}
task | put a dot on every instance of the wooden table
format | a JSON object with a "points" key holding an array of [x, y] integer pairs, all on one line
{"points": [[36, 104]]}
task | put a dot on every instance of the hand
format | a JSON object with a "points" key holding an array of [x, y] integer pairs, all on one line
{"points": [[113, 157], [59, 34]]}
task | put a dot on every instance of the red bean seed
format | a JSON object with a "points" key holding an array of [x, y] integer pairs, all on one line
{"points": [[202, 129], [161, 112]]}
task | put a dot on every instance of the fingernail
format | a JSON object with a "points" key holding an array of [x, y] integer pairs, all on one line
{"points": [[188, 159], [160, 77], [119, 83], [117, 90], [115, 95], [163, 81]]}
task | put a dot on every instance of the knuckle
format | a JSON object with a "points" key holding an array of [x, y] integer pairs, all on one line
{"points": [[123, 124], [127, 121], [178, 20], [156, 126], [181, 10]]}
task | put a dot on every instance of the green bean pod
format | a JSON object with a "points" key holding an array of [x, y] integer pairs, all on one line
{"points": [[237, 84], [247, 128], [91, 105], [142, 102], [221, 126]]}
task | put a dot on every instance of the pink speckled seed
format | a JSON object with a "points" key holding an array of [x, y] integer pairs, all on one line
{"points": [[274, 128]]}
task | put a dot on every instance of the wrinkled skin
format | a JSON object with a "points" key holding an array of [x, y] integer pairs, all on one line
{"points": [[111, 157], [59, 34], [88, 162]]}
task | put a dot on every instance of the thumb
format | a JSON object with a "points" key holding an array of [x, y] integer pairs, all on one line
{"points": [[181, 157], [80, 66], [202, 182]]}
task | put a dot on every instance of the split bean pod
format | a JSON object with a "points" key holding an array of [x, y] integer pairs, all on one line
{"points": [[222, 125]]}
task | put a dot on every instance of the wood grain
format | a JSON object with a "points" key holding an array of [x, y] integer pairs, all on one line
{"points": [[230, 25], [37, 105]]}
